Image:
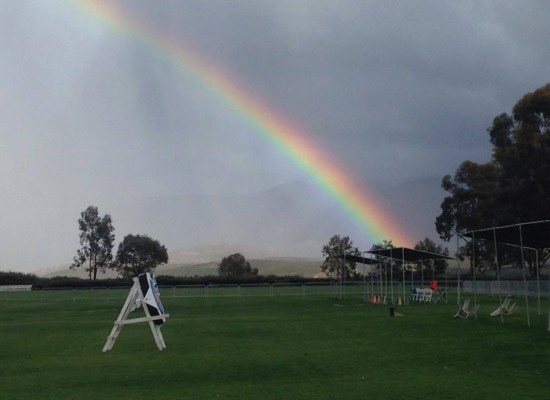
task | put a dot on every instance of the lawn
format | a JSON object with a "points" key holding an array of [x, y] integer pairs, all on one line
{"points": [[282, 347]]}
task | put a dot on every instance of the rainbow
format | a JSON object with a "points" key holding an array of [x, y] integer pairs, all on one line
{"points": [[362, 207]]}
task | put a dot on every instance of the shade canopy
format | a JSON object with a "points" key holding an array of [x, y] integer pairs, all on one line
{"points": [[534, 235], [409, 255], [360, 259]]}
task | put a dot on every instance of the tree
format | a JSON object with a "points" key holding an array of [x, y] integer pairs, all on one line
{"points": [[430, 246], [513, 187], [335, 265], [382, 262], [521, 150], [138, 254], [96, 241], [236, 265], [386, 244], [472, 202]]}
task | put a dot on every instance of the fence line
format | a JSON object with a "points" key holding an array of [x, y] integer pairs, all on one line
{"points": [[181, 291], [329, 289], [508, 288]]}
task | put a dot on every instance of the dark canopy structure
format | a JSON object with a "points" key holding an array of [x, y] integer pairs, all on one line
{"points": [[533, 235], [360, 259], [528, 235], [409, 255], [357, 259], [399, 253]]}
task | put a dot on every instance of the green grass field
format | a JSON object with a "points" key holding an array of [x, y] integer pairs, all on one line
{"points": [[282, 347]]}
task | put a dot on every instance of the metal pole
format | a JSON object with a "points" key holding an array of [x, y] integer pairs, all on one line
{"points": [[474, 264], [548, 292], [371, 278], [412, 282], [391, 274], [382, 272], [446, 282], [498, 274], [364, 287], [403, 270], [538, 277], [458, 269], [342, 295], [524, 277]]}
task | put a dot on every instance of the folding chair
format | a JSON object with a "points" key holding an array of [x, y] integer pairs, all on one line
{"points": [[505, 308], [439, 296], [426, 295], [465, 311]]}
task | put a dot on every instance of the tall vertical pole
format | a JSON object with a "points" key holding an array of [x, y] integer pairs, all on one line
{"points": [[498, 273], [538, 277], [413, 269], [382, 273], [474, 264], [391, 274], [548, 291], [524, 277], [364, 286], [343, 278], [371, 277], [403, 269], [458, 269]]}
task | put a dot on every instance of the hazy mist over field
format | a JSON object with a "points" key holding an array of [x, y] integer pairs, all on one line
{"points": [[398, 94]]}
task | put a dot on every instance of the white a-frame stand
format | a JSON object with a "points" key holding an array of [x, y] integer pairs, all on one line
{"points": [[134, 300]]}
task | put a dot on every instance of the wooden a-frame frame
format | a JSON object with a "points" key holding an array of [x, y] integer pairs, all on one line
{"points": [[134, 300]]}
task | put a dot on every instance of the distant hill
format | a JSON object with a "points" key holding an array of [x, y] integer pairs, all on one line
{"points": [[202, 260], [64, 270], [283, 266], [287, 266], [214, 252], [292, 219]]}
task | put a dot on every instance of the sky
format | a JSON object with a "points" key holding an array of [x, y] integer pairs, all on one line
{"points": [[395, 93]]}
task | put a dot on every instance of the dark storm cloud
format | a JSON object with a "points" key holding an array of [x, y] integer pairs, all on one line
{"points": [[422, 76], [398, 92]]}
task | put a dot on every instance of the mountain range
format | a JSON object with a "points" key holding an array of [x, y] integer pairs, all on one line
{"points": [[294, 219], [290, 220]]}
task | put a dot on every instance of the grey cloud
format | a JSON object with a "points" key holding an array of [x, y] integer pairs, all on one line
{"points": [[398, 92]]}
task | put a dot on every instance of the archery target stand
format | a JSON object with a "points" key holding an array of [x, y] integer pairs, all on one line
{"points": [[145, 294]]}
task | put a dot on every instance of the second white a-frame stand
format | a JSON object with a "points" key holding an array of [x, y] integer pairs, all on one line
{"points": [[134, 300]]}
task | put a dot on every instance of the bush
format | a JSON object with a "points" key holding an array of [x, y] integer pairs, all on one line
{"points": [[65, 282], [17, 278]]}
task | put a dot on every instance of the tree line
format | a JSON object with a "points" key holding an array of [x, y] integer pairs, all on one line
{"points": [[136, 254], [513, 187], [336, 267], [20, 278]]}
